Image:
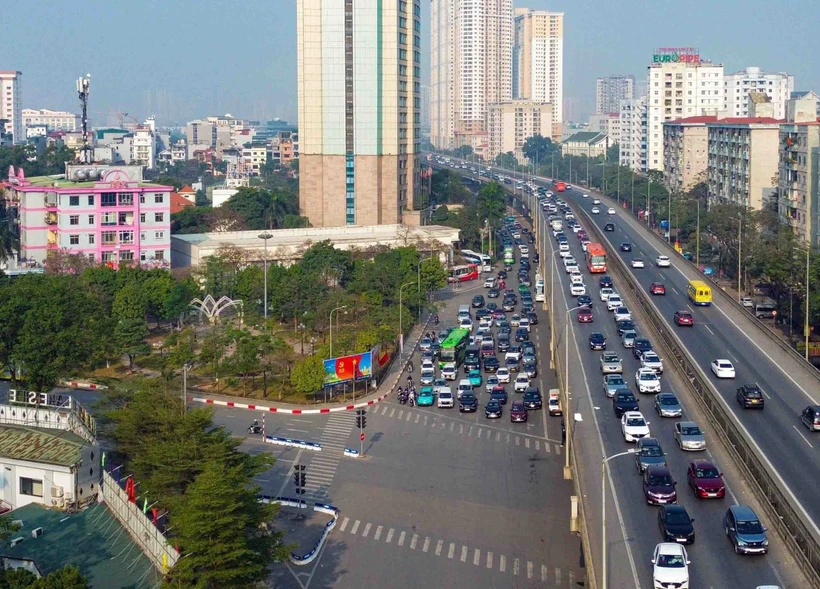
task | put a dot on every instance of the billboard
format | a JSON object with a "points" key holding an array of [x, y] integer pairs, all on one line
{"points": [[344, 368], [676, 55]]}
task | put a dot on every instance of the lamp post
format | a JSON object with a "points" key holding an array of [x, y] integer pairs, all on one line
{"points": [[669, 215], [603, 511], [806, 318], [331, 327], [265, 237], [619, 183], [401, 331], [566, 408], [739, 256], [648, 191]]}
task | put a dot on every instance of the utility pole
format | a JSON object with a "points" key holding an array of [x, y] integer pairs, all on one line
{"points": [[806, 319]]}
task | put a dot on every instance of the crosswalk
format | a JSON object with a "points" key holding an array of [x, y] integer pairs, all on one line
{"points": [[482, 432], [458, 552], [323, 464]]}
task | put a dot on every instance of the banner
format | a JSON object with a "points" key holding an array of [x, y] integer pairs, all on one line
{"points": [[355, 367]]}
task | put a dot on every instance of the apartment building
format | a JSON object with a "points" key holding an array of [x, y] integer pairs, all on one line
{"points": [[586, 143], [680, 85], [685, 152], [610, 91], [359, 84], [284, 147], [107, 213], [538, 60], [777, 86], [255, 156], [510, 124], [632, 143], [11, 103], [54, 120]]}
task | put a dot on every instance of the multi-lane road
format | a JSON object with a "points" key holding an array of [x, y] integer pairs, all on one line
{"points": [[632, 531]]}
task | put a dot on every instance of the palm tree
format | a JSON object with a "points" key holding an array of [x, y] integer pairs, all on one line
{"points": [[492, 203]]}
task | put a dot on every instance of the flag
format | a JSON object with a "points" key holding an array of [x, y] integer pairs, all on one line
{"points": [[145, 506], [103, 459]]}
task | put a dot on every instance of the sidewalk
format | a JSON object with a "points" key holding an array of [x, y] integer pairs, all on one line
{"points": [[388, 382]]}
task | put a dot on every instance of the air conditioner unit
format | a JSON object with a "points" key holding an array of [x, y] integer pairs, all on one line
{"points": [[57, 503], [15, 541], [36, 532], [57, 491], [69, 497]]}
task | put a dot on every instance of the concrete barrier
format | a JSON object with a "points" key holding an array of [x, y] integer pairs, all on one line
{"points": [[315, 446], [303, 559], [351, 452], [88, 386]]}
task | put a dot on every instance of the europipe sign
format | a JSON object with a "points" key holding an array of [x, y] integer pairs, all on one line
{"points": [[676, 55]]}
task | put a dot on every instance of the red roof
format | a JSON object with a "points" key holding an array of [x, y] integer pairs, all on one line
{"points": [[187, 189], [749, 121], [179, 202], [693, 120]]}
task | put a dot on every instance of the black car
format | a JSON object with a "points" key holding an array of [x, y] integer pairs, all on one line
{"points": [[624, 400], [659, 486], [750, 397], [521, 334], [467, 403], [499, 394], [525, 279], [528, 347], [530, 369], [502, 274], [609, 227], [478, 301], [491, 364], [625, 325], [597, 341], [492, 293], [648, 452], [482, 313], [533, 317], [605, 281], [471, 364], [491, 307], [493, 409], [536, 258], [675, 524], [641, 345], [503, 343], [626, 247], [584, 301], [532, 398]]}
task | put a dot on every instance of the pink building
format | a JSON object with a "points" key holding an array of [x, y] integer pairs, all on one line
{"points": [[107, 213]]}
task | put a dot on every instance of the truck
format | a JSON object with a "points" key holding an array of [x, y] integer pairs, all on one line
{"points": [[509, 255]]}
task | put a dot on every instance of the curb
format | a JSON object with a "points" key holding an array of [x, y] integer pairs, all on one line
{"points": [[89, 386], [293, 443], [351, 452], [304, 559]]}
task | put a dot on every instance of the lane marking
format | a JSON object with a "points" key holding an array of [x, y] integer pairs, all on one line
{"points": [[392, 411], [503, 566], [426, 546], [805, 439], [516, 567], [355, 527], [452, 425], [497, 436], [489, 560], [544, 573], [764, 392], [409, 415], [401, 413], [401, 537], [378, 533], [389, 536], [413, 541], [417, 418], [476, 557], [451, 551], [366, 530], [709, 329], [517, 441], [438, 547], [463, 554], [344, 524], [529, 569], [527, 442]]}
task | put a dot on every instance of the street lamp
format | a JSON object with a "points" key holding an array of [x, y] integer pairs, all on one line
{"points": [[331, 327], [603, 512], [567, 412], [401, 332], [266, 236]]}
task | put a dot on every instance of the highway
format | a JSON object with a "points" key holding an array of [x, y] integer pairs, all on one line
{"points": [[632, 530]]}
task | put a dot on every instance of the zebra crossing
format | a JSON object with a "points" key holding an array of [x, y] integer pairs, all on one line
{"points": [[483, 432], [323, 464], [457, 552]]}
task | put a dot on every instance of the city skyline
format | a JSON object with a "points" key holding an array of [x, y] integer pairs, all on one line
{"points": [[250, 73]]}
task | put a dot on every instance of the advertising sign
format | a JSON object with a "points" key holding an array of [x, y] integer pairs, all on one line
{"points": [[355, 367], [57, 401], [676, 55]]}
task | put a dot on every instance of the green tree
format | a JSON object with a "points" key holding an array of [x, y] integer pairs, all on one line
{"points": [[506, 160], [68, 577], [129, 336], [463, 151], [433, 275], [537, 148], [308, 374], [17, 578], [492, 204]]}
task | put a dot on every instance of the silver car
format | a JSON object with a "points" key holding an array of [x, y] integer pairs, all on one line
{"points": [[611, 363], [689, 436], [667, 405], [628, 338], [427, 377], [613, 382]]}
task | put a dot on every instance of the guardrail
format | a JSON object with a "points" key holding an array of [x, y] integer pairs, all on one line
{"points": [[784, 513], [307, 558]]}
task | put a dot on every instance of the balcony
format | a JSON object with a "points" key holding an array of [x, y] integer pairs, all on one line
{"points": [[51, 218], [51, 200]]}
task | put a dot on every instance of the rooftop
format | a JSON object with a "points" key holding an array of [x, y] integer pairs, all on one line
{"points": [[91, 540], [699, 120], [60, 182], [586, 137], [748, 121], [49, 446]]}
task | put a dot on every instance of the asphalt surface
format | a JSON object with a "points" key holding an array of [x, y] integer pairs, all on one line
{"points": [[632, 530]]}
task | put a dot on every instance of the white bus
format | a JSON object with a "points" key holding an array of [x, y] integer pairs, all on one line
{"points": [[483, 260], [539, 288]]}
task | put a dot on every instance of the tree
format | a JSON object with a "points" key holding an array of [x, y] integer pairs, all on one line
{"points": [[537, 148], [9, 239], [68, 577], [7, 528], [492, 203], [506, 160], [463, 151], [223, 529], [308, 374], [129, 336]]}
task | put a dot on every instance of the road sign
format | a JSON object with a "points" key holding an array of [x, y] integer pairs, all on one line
{"points": [[361, 437]]}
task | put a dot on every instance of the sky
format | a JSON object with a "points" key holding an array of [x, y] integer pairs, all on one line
{"points": [[186, 59]]}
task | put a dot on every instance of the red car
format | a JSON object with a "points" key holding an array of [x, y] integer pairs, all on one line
{"points": [[582, 234], [584, 315], [705, 479], [518, 413], [684, 318], [657, 288]]}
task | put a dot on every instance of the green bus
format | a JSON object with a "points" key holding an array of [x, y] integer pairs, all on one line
{"points": [[454, 348]]}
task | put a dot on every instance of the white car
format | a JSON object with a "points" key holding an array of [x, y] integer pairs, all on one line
{"points": [[634, 426], [576, 277], [586, 196], [569, 260], [596, 201], [513, 353], [650, 359], [515, 320], [663, 262], [605, 292], [648, 381], [595, 210], [490, 282], [671, 566], [576, 228], [610, 211], [465, 323], [492, 381], [445, 400], [564, 252], [584, 244], [637, 263], [485, 322], [427, 364], [464, 386], [613, 302], [522, 383], [525, 323], [449, 372], [622, 314], [723, 368], [577, 290], [523, 249], [503, 375]]}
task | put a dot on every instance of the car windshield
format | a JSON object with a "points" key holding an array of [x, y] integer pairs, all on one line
{"points": [[651, 451], [753, 394], [635, 422], [648, 376], [493, 405], [674, 561], [677, 518], [660, 480], [707, 473], [445, 395], [669, 401], [625, 398], [690, 430], [616, 381], [751, 527], [724, 365]]}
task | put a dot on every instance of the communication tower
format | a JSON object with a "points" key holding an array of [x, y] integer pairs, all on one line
{"points": [[83, 90]]}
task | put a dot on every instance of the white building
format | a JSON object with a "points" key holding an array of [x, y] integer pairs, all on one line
{"points": [[144, 147], [11, 103], [55, 120], [510, 124], [777, 86], [680, 85], [610, 90], [471, 66], [609, 123], [538, 60], [633, 134]]}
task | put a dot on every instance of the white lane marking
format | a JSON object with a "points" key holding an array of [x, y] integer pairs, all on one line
{"points": [[690, 308], [674, 290], [557, 576], [489, 560], [527, 442], [426, 546], [301, 431], [479, 432], [438, 547], [413, 541], [401, 414], [497, 436], [344, 524], [732, 356], [355, 527], [366, 530], [537, 445], [425, 420], [517, 441], [709, 328], [392, 411], [463, 554], [452, 425], [378, 533], [409, 415], [764, 392], [544, 573], [529, 569], [417, 418], [476, 557], [516, 567], [805, 439], [451, 551], [503, 563]]}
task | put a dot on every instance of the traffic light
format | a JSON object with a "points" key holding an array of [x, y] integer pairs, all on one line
{"points": [[302, 479], [296, 480], [361, 419], [364, 421]]}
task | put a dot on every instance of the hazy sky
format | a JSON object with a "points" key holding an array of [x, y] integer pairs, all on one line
{"points": [[189, 58]]}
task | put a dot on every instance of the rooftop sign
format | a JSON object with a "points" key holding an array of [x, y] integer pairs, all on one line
{"points": [[676, 55]]}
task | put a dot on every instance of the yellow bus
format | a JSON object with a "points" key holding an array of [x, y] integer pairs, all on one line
{"points": [[699, 292]]}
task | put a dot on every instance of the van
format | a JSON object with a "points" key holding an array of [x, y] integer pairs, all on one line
{"points": [[463, 311], [765, 310], [699, 292], [490, 282]]}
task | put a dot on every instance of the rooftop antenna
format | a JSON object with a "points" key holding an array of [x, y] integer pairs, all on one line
{"points": [[83, 90]]}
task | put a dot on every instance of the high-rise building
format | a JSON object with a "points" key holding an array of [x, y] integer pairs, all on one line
{"points": [[680, 85], [633, 134], [685, 152], [737, 86], [538, 60], [610, 90], [54, 120], [471, 66], [11, 103], [510, 124], [359, 82]]}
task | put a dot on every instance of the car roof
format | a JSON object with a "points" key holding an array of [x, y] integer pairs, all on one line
{"points": [[743, 513], [658, 469], [702, 463], [674, 508], [518, 405], [687, 424], [649, 442], [671, 548], [633, 414]]}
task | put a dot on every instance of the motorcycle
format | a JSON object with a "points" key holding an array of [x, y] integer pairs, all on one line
{"points": [[255, 429], [436, 320]]}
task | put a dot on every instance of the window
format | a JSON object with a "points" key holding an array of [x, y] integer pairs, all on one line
{"points": [[142, 217], [74, 220], [31, 487], [74, 239], [159, 235], [142, 199], [90, 219], [127, 237], [91, 239], [158, 198], [126, 199], [74, 201], [91, 200], [159, 217], [109, 218], [109, 256], [109, 237], [126, 255], [108, 199], [159, 255]]}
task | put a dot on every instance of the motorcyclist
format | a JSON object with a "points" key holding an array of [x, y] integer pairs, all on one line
{"points": [[435, 320]]}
